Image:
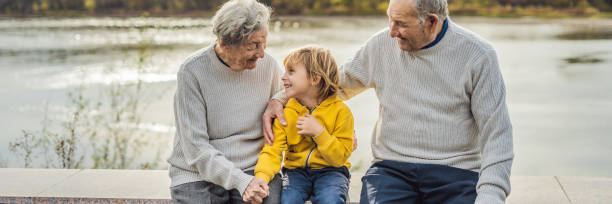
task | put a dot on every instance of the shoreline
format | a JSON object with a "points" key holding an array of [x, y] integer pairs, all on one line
{"points": [[315, 18]]}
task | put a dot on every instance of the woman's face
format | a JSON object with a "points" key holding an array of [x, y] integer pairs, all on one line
{"points": [[245, 55]]}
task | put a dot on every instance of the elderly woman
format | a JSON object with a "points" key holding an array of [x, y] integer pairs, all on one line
{"points": [[222, 92]]}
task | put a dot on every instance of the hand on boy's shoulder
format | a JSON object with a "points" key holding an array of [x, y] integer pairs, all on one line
{"points": [[290, 118]]}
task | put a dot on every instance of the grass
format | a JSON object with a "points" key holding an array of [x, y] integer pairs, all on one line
{"points": [[97, 131], [531, 11]]}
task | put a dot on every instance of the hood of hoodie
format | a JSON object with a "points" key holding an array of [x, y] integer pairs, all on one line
{"points": [[301, 109]]}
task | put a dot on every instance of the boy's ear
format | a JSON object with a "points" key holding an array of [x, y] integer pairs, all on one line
{"points": [[316, 80]]}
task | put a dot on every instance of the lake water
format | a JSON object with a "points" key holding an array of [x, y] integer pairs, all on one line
{"points": [[558, 75]]}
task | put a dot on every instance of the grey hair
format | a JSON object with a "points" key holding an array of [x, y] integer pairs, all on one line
{"points": [[237, 19], [425, 7]]}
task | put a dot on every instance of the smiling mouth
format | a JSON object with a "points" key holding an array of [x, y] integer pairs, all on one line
{"points": [[287, 86]]}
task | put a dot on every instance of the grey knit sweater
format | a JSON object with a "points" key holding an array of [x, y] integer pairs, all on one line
{"points": [[218, 119], [442, 105]]}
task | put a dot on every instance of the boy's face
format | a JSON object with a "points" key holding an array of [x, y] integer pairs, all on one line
{"points": [[296, 82]]}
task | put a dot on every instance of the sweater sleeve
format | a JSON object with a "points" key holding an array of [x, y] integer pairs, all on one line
{"points": [[191, 128], [356, 75], [337, 146], [280, 96], [277, 83], [270, 158], [489, 109]]}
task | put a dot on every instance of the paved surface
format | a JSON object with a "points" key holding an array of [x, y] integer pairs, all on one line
{"points": [[151, 186]]}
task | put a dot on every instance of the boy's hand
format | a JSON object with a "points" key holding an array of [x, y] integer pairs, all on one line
{"points": [[309, 126]]}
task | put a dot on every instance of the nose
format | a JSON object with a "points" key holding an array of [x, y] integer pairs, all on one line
{"points": [[393, 30], [284, 77], [260, 52]]}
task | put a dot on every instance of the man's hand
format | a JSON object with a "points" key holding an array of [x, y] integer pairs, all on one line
{"points": [[273, 110], [256, 191], [309, 126]]}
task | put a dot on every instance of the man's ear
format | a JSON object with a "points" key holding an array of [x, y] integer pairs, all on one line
{"points": [[432, 22]]}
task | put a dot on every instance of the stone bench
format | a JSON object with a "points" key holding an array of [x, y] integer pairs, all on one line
{"points": [[151, 186]]}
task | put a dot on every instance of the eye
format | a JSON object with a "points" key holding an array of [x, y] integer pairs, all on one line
{"points": [[399, 23], [251, 46]]}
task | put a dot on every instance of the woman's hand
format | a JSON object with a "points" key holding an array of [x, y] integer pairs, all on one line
{"points": [[273, 110], [256, 191], [309, 126]]}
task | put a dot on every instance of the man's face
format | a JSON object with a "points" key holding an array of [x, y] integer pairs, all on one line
{"points": [[245, 56], [404, 25]]}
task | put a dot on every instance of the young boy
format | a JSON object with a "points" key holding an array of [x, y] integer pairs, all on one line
{"points": [[318, 138]]}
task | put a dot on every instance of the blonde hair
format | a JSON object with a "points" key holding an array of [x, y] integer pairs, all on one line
{"points": [[318, 62]]}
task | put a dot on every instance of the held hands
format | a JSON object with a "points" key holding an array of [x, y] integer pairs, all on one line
{"points": [[256, 191], [309, 126]]}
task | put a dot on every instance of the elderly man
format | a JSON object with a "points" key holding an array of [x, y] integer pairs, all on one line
{"points": [[221, 94], [444, 134]]}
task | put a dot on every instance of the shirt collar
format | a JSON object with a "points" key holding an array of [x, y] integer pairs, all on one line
{"points": [[439, 37]]}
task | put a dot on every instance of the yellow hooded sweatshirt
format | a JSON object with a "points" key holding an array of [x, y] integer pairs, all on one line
{"points": [[331, 148]]}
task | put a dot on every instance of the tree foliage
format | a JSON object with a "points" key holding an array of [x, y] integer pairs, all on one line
{"points": [[281, 7]]}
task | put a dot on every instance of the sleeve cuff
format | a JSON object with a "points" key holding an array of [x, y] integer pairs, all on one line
{"points": [[242, 181], [263, 177], [280, 96], [323, 138], [488, 194]]}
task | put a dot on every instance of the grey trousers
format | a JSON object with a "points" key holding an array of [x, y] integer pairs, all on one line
{"points": [[203, 192]]}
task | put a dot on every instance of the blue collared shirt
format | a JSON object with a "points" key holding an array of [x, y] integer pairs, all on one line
{"points": [[439, 37]]}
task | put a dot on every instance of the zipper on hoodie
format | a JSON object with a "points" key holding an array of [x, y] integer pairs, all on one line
{"points": [[311, 150]]}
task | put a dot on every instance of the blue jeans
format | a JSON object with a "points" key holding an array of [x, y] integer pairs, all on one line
{"points": [[400, 182], [327, 186], [204, 192]]}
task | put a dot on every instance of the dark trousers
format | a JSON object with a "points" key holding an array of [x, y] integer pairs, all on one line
{"points": [[204, 192], [401, 182], [326, 186]]}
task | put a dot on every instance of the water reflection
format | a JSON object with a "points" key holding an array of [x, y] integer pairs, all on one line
{"points": [[556, 71], [587, 33], [584, 59]]}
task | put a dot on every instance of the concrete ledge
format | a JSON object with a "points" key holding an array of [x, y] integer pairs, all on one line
{"points": [[86, 183], [587, 189], [81, 200], [151, 186]]}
